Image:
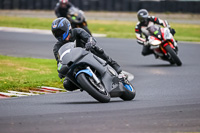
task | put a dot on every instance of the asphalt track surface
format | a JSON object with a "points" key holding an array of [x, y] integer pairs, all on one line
{"points": [[167, 99]]}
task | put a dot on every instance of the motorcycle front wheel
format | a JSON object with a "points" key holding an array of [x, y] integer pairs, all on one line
{"points": [[129, 91], [97, 91], [173, 55]]}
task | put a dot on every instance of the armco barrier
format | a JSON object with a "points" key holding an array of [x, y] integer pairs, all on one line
{"points": [[107, 5]]}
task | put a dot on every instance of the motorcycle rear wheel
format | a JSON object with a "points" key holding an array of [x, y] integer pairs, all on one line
{"points": [[91, 88], [129, 91], [173, 55]]}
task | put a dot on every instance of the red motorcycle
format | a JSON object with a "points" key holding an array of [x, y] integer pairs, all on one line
{"points": [[161, 41]]}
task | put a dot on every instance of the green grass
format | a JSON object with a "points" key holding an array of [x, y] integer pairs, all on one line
{"points": [[21, 22], [114, 29], [23, 74], [187, 32]]}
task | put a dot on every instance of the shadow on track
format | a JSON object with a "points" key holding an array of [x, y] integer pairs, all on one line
{"points": [[88, 102]]}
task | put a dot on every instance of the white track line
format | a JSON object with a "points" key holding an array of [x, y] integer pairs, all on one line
{"points": [[21, 93], [51, 88], [10, 94]]}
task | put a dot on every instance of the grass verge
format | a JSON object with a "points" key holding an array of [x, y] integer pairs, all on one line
{"points": [[113, 29], [23, 74]]}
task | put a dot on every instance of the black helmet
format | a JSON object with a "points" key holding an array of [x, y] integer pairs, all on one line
{"points": [[142, 15], [61, 28]]}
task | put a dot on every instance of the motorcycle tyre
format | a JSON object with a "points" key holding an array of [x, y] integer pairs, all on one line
{"points": [[173, 55], [91, 90], [128, 95]]}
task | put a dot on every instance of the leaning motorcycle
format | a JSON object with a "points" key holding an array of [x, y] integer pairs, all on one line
{"points": [[77, 19], [93, 75], [161, 41]]}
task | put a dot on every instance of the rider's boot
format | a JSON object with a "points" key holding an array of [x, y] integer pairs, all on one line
{"points": [[156, 56], [122, 76], [114, 65], [100, 53]]}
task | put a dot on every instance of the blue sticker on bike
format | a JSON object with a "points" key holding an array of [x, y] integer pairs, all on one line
{"points": [[84, 71], [127, 86]]}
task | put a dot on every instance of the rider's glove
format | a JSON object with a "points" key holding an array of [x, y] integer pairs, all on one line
{"points": [[172, 31], [90, 45]]}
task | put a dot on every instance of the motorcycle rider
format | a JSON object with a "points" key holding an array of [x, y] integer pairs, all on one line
{"points": [[146, 21], [62, 31], [62, 8]]}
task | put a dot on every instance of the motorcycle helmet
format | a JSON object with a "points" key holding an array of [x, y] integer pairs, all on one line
{"points": [[63, 1], [142, 15], [61, 28]]}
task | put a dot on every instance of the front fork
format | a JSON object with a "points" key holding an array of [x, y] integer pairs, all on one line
{"points": [[165, 44], [96, 79]]}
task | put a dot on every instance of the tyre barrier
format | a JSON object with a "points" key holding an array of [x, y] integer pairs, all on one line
{"points": [[191, 6]]}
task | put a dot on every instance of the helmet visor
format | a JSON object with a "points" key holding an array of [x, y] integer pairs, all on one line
{"points": [[58, 33], [61, 35]]}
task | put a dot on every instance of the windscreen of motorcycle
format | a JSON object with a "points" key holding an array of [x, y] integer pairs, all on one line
{"points": [[167, 34], [70, 55]]}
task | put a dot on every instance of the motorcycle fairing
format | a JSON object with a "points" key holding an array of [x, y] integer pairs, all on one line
{"points": [[107, 75], [75, 55], [77, 59], [154, 41]]}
